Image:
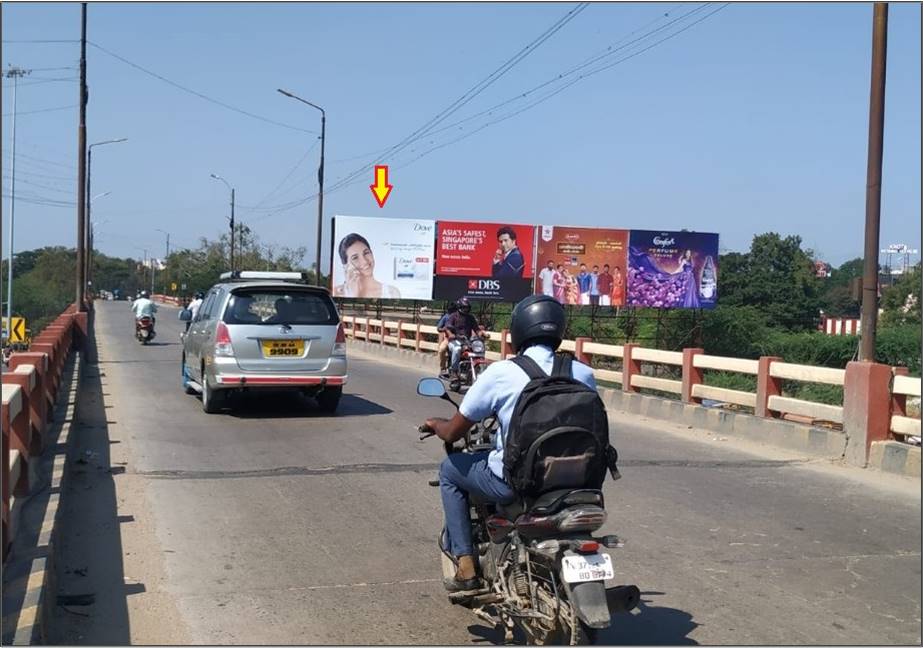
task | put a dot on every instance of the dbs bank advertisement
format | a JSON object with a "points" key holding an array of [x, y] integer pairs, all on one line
{"points": [[673, 269], [488, 261], [582, 266]]}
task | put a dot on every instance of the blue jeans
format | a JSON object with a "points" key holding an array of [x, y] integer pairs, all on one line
{"points": [[462, 474]]}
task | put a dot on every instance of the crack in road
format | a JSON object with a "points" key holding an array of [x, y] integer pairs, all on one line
{"points": [[289, 471], [372, 468]]}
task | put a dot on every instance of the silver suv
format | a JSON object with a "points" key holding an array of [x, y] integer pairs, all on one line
{"points": [[264, 330]]}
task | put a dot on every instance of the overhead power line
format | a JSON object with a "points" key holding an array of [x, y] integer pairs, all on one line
{"points": [[198, 94], [348, 180], [477, 89], [41, 110]]}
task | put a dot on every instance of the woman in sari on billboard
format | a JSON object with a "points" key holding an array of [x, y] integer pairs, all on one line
{"points": [[359, 266]]}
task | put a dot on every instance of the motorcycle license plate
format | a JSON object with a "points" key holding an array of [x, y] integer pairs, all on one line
{"points": [[581, 568], [283, 348]]}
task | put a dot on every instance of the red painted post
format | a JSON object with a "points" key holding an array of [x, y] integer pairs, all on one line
{"points": [[630, 367], [418, 338], [866, 408], [367, 339], [400, 332], [31, 399], [692, 375], [5, 477], [899, 401], [583, 357], [505, 347], [52, 377], [39, 361], [766, 386], [382, 330]]}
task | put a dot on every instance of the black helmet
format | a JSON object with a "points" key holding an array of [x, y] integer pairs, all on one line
{"points": [[144, 293], [463, 305], [538, 319], [200, 295]]}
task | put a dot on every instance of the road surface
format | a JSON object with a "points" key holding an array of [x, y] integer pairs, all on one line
{"points": [[275, 524]]}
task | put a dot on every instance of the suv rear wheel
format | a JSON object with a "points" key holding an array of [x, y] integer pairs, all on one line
{"points": [[212, 399], [329, 399]]}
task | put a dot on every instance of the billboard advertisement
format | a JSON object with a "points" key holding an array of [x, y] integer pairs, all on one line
{"points": [[488, 261], [672, 269], [382, 258], [581, 266]]}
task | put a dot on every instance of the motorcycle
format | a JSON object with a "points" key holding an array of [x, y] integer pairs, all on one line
{"points": [[543, 569], [144, 329], [473, 361]]}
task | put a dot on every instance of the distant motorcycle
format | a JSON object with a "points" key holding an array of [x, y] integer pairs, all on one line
{"points": [[144, 329], [472, 363]]}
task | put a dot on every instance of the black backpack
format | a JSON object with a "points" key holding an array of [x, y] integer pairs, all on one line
{"points": [[558, 436]]}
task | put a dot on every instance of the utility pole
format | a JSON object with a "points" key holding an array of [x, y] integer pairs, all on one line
{"points": [[13, 73], [869, 318], [320, 177], [81, 164]]}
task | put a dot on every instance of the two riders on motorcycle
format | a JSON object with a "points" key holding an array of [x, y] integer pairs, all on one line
{"points": [[460, 323]]}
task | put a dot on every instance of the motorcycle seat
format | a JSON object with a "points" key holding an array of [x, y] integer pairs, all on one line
{"points": [[551, 502]]}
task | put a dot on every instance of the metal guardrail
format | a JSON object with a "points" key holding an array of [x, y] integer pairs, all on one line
{"points": [[30, 388]]}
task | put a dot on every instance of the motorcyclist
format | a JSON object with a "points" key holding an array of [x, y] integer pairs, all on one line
{"points": [[444, 342], [461, 323], [144, 307], [194, 306], [536, 330]]}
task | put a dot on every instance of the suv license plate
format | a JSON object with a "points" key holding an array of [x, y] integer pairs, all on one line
{"points": [[283, 348], [581, 568]]}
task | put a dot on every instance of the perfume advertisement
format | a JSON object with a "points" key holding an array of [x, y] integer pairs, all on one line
{"points": [[382, 258], [672, 269]]}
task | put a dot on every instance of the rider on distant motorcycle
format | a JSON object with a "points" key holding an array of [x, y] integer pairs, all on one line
{"points": [[144, 307], [460, 323], [536, 330]]}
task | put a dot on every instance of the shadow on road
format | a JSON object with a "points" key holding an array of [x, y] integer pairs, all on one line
{"points": [[92, 606], [282, 404], [648, 625]]}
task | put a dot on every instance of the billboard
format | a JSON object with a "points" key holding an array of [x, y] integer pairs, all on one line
{"points": [[382, 258], [672, 269], [489, 261], [581, 266]]}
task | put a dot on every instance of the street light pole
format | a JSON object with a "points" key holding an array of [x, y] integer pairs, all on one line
{"points": [[166, 260], [218, 177], [873, 183], [320, 178], [87, 246], [14, 73], [81, 164]]}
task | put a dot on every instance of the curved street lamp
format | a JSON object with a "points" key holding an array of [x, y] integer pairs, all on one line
{"points": [[218, 177]]}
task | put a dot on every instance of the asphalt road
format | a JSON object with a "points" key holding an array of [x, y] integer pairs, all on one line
{"points": [[274, 524]]}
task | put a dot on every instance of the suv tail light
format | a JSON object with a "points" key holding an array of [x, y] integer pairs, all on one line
{"points": [[223, 341], [339, 346]]}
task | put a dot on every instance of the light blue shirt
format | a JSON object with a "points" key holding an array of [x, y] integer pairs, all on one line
{"points": [[497, 390], [594, 284]]}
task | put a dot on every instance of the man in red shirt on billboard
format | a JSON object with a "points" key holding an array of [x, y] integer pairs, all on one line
{"points": [[604, 283], [508, 261]]}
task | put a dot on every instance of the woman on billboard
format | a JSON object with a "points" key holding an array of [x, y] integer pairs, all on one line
{"points": [[359, 265], [691, 297]]}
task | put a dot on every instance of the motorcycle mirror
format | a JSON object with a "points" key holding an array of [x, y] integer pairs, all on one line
{"points": [[430, 387], [185, 315]]}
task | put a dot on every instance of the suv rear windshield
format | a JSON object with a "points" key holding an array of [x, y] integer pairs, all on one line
{"points": [[279, 306]]}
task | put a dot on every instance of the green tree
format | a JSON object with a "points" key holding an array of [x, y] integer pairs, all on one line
{"points": [[901, 302]]}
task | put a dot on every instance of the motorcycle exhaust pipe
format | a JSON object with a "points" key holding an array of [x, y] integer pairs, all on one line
{"points": [[623, 598]]}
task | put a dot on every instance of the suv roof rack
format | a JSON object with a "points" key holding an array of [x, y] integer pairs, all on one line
{"points": [[261, 275]]}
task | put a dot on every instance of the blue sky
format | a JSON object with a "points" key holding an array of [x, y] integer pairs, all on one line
{"points": [[753, 120]]}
